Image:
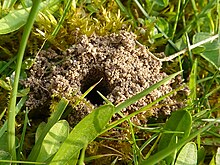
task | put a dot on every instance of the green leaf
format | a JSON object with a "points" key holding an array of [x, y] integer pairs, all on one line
{"points": [[18, 108], [188, 155], [39, 130], [210, 50], [5, 85], [27, 63], [212, 162], [8, 4], [160, 4], [193, 82], [155, 33], [17, 18], [201, 155], [4, 142], [54, 118], [198, 50], [5, 156], [156, 158], [83, 133], [180, 44], [23, 92], [53, 140], [217, 157], [180, 121], [13, 21], [163, 24]]}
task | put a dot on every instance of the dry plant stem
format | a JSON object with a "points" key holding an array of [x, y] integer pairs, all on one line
{"points": [[12, 102], [171, 57]]}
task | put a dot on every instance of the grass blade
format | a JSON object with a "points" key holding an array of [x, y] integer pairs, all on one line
{"points": [[13, 97], [145, 108], [81, 98], [123, 8], [189, 26], [156, 26], [23, 135], [54, 118], [66, 9], [156, 158], [193, 83], [144, 92], [84, 132], [18, 108]]}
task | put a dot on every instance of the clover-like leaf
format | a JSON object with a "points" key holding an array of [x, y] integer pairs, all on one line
{"points": [[209, 51]]}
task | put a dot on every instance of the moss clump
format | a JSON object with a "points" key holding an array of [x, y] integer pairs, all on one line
{"points": [[125, 68]]}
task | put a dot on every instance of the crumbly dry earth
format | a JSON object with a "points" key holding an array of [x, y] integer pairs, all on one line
{"points": [[125, 68]]}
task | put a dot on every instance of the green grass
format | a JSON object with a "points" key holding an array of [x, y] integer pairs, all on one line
{"points": [[188, 30]]}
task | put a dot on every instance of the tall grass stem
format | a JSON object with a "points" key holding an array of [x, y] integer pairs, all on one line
{"points": [[13, 97], [66, 9]]}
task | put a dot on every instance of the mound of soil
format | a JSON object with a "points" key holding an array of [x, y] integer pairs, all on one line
{"points": [[124, 67]]}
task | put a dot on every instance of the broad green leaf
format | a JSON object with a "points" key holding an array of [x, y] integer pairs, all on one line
{"points": [[59, 109], [17, 18], [14, 20], [53, 140], [211, 49], [5, 156], [188, 155], [180, 121], [83, 133]]}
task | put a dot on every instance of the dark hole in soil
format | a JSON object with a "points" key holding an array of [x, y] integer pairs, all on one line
{"points": [[90, 79]]}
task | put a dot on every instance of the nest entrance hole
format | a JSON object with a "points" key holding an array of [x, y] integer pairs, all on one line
{"points": [[94, 76]]}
